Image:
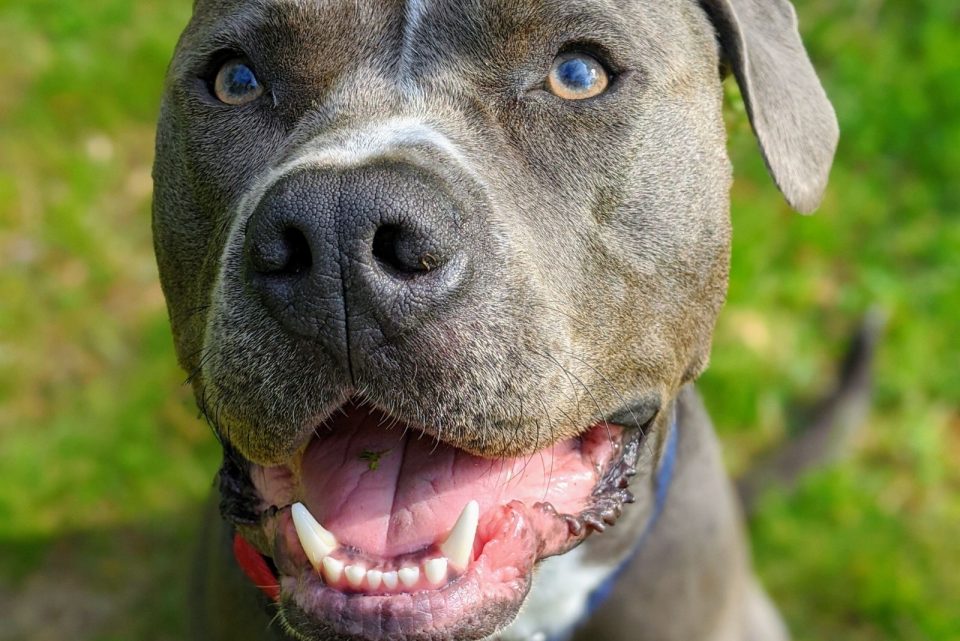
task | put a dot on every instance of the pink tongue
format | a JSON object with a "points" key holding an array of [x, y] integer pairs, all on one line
{"points": [[390, 491]]}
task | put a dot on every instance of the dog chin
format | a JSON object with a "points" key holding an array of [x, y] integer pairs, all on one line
{"points": [[375, 531]]}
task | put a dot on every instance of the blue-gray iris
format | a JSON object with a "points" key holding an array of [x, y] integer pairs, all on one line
{"points": [[577, 74], [241, 81]]}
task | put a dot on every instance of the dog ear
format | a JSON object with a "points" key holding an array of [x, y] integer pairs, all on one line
{"points": [[790, 113]]}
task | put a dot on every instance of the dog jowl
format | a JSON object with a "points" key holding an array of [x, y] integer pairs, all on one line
{"points": [[440, 272]]}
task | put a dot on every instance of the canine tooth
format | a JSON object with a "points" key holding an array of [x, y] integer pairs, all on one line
{"points": [[436, 570], [409, 576], [355, 574], [317, 542], [374, 577], [390, 580], [332, 569], [458, 547]]}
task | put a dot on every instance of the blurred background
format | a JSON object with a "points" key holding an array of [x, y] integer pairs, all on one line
{"points": [[104, 463]]}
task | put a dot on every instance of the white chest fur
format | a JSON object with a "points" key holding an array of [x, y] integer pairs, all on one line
{"points": [[558, 599]]}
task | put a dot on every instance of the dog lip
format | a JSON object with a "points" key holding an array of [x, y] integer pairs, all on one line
{"points": [[484, 597], [402, 616], [639, 413]]}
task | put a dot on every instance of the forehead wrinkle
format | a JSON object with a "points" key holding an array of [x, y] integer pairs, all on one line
{"points": [[247, 24], [231, 26], [413, 12]]}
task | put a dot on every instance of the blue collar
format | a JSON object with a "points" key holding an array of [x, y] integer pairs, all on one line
{"points": [[664, 478], [662, 482]]}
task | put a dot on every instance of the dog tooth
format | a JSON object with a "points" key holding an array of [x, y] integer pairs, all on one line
{"points": [[332, 569], [436, 570], [374, 577], [316, 541], [323, 533], [355, 574], [409, 576], [390, 580], [458, 547]]}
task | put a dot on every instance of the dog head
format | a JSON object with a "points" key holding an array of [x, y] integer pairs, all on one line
{"points": [[439, 268]]}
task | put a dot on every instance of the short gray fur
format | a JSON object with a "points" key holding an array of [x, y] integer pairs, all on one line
{"points": [[583, 267]]}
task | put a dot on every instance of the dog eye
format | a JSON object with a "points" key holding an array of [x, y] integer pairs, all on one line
{"points": [[577, 76], [236, 84]]}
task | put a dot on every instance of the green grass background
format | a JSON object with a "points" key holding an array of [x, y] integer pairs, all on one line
{"points": [[103, 462]]}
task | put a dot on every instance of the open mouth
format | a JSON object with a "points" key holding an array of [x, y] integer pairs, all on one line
{"points": [[376, 531]]}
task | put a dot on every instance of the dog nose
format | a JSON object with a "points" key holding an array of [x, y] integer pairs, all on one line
{"points": [[339, 254]]}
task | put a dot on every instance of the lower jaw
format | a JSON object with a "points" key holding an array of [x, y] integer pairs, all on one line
{"points": [[321, 613], [471, 607], [478, 602]]}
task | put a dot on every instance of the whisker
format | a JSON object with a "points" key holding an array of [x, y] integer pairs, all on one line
{"points": [[579, 323], [553, 459], [613, 388], [207, 354], [582, 384], [187, 314]]}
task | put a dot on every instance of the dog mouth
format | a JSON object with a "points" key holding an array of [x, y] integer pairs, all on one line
{"points": [[376, 531]]}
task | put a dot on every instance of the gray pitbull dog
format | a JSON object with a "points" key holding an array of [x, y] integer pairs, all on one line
{"points": [[443, 273]]}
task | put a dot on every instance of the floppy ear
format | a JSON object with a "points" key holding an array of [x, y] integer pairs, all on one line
{"points": [[788, 108]]}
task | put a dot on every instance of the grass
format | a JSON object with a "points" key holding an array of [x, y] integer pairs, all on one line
{"points": [[103, 461]]}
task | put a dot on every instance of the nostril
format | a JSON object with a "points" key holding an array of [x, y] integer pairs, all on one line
{"points": [[385, 247], [288, 255], [394, 251], [300, 258]]}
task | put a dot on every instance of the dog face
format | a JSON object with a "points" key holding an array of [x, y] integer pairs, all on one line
{"points": [[437, 270]]}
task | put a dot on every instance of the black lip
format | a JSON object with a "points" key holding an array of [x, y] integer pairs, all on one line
{"points": [[612, 492], [239, 501], [638, 413]]}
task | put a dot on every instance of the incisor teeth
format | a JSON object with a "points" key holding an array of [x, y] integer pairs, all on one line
{"points": [[390, 580], [332, 569], [355, 574], [317, 542], [409, 576], [458, 547], [436, 570]]}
